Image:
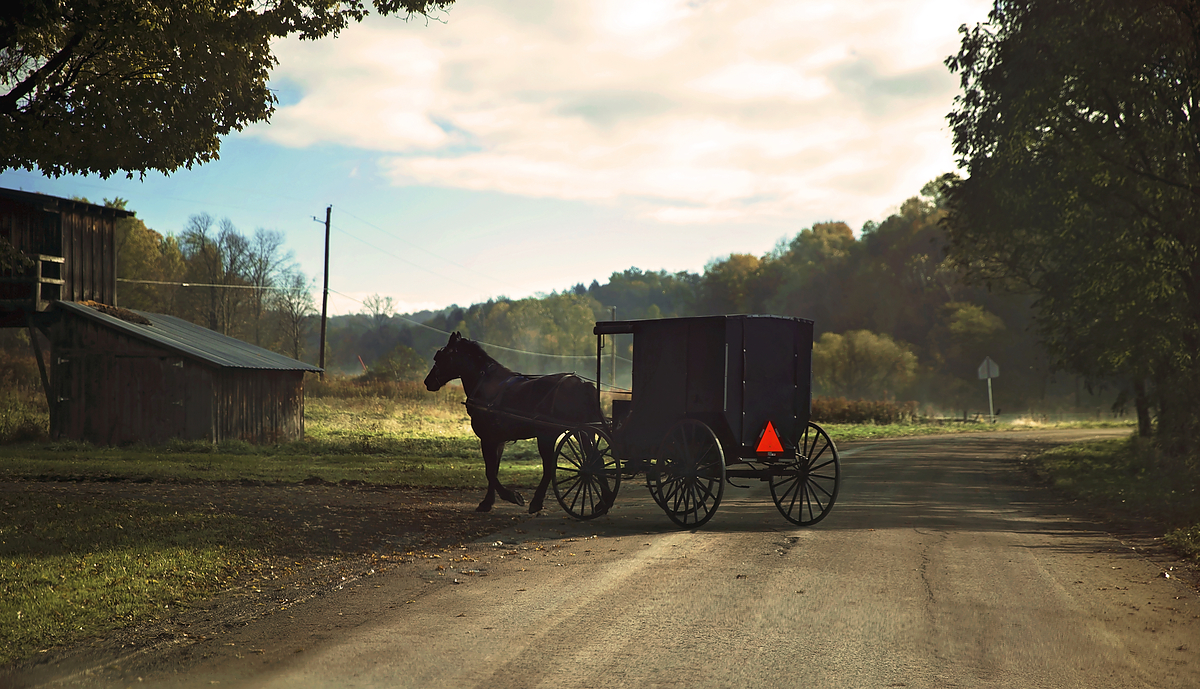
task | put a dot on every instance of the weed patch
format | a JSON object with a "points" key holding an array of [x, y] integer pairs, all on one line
{"points": [[1131, 476], [71, 570]]}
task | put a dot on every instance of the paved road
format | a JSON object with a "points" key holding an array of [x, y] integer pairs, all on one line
{"points": [[937, 568]]}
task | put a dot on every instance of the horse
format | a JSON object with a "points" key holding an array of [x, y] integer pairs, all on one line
{"points": [[503, 406]]}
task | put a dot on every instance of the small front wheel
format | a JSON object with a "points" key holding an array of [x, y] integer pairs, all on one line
{"points": [[805, 488], [587, 476], [688, 476]]}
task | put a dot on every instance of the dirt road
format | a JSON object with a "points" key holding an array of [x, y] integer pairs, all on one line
{"points": [[938, 567]]}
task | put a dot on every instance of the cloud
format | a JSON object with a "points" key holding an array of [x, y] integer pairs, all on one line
{"points": [[688, 112]]}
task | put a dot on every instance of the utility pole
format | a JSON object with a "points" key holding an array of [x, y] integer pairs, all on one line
{"points": [[325, 291]]}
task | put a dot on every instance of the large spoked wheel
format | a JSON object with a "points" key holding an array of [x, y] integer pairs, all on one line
{"points": [[688, 477], [805, 489], [588, 476]]}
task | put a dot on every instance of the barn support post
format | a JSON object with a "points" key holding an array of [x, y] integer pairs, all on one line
{"points": [[37, 354]]}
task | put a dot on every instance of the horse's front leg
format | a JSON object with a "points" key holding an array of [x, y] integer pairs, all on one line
{"points": [[492, 451], [549, 466]]}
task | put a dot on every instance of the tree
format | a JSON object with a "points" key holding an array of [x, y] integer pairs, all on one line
{"points": [[219, 262], [401, 363], [293, 301], [1078, 130], [266, 261], [377, 341], [10, 258], [729, 285], [862, 365], [101, 86], [147, 257]]}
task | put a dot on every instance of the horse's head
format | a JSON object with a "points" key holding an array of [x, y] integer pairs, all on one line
{"points": [[450, 362]]}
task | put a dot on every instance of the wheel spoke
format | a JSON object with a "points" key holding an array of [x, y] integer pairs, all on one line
{"points": [[804, 490], [688, 478], [587, 476]]}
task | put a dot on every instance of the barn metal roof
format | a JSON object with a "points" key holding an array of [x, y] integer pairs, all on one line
{"points": [[193, 341]]}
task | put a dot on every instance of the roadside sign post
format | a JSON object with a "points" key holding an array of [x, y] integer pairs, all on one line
{"points": [[989, 370]]}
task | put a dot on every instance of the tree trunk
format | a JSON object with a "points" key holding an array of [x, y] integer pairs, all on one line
{"points": [[1142, 402], [1179, 413]]}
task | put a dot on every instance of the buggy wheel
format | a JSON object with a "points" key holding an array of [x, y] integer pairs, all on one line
{"points": [[805, 488], [688, 477], [588, 476]]}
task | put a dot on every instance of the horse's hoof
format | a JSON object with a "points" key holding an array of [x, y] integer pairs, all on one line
{"points": [[484, 508], [534, 508], [518, 499]]}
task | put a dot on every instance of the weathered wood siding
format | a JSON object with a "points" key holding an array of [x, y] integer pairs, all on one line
{"points": [[89, 245], [258, 406], [112, 389], [83, 234]]}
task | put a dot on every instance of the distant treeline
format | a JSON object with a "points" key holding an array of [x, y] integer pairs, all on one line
{"points": [[894, 320]]}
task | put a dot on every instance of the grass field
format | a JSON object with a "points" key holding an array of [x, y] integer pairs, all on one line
{"points": [[68, 572], [1129, 476], [72, 570]]}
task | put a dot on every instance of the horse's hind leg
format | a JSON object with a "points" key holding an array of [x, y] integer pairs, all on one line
{"points": [[492, 451], [549, 465]]}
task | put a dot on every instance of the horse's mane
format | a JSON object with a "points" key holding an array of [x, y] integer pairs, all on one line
{"points": [[477, 352]]}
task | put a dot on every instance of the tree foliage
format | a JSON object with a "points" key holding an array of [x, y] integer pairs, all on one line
{"points": [[1077, 129], [861, 364], [101, 86], [211, 274]]}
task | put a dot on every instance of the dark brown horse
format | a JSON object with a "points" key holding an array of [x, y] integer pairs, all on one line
{"points": [[506, 406]]}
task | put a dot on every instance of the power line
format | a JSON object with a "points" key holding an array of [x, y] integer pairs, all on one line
{"points": [[419, 248], [589, 357], [200, 284], [405, 260], [406, 320]]}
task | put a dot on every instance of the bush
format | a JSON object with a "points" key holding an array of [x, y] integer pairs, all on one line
{"points": [[860, 363], [23, 416], [401, 364], [842, 410]]}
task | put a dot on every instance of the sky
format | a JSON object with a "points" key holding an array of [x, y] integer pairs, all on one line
{"points": [[514, 147]]}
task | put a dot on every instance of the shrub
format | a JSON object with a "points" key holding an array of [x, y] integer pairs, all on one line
{"points": [[842, 410], [860, 363]]}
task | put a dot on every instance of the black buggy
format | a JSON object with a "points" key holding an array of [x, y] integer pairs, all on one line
{"points": [[715, 400]]}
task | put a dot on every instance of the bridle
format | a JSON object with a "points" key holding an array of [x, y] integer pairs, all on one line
{"points": [[484, 369]]}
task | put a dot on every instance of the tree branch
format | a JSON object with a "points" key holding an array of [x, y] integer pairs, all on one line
{"points": [[9, 101]]}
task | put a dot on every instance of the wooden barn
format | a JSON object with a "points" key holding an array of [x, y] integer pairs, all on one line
{"points": [[73, 248], [116, 376], [121, 376]]}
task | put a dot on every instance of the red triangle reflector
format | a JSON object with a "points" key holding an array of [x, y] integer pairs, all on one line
{"points": [[769, 441]]}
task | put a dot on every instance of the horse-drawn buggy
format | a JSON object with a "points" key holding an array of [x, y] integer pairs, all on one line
{"points": [[714, 400]]}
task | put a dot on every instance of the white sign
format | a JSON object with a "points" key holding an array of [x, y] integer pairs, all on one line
{"points": [[989, 369]]}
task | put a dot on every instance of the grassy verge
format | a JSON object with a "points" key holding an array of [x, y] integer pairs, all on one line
{"points": [[418, 462], [844, 432], [374, 439], [1130, 476], [70, 571]]}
